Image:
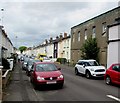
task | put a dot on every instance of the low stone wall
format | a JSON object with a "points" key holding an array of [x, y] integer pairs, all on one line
{"points": [[1, 83], [6, 78]]}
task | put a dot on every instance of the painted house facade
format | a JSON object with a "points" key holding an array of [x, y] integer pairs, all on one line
{"points": [[54, 48], [97, 28], [64, 46], [5, 44]]}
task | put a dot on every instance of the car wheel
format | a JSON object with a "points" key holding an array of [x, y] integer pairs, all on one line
{"points": [[88, 75], [108, 80], [76, 71]]}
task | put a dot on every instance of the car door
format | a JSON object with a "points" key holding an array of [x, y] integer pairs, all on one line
{"points": [[84, 67], [32, 72], [115, 75], [80, 67]]}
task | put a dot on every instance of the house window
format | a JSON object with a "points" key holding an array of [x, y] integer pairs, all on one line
{"points": [[104, 29], [93, 32], [85, 34], [79, 36]]}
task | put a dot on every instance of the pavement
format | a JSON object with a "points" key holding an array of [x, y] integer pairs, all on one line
{"points": [[16, 91]]}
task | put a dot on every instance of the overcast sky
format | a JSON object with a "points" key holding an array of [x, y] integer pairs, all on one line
{"points": [[33, 22]]}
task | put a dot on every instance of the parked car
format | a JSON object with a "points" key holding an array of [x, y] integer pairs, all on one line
{"points": [[46, 59], [29, 65], [24, 63], [90, 68], [112, 74], [46, 73]]}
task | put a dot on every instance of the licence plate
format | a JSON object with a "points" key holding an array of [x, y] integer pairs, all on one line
{"points": [[51, 82]]}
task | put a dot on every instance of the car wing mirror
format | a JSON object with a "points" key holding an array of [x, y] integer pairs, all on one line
{"points": [[59, 68], [84, 65]]}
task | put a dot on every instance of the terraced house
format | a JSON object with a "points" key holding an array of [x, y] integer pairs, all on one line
{"points": [[5, 44], [97, 27]]}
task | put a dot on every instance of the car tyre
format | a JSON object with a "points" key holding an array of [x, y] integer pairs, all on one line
{"points": [[108, 80], [76, 71], [88, 75]]}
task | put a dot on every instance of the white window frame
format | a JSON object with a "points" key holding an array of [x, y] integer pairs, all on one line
{"points": [[85, 34], [78, 35], [93, 32]]}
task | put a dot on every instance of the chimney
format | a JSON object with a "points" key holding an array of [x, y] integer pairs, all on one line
{"points": [[61, 36], [51, 39], [57, 37], [65, 35], [46, 41]]}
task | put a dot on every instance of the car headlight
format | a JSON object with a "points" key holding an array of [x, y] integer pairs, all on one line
{"points": [[40, 78], [92, 69], [61, 77]]}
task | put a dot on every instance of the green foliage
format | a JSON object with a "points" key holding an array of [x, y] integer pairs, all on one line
{"points": [[90, 49], [22, 48], [61, 60]]}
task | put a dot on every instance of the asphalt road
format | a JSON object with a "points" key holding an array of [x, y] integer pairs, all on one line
{"points": [[76, 88]]}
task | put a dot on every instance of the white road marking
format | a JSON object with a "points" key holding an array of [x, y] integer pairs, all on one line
{"points": [[115, 98]]}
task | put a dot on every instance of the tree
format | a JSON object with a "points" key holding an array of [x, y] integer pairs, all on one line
{"points": [[90, 49], [22, 48]]}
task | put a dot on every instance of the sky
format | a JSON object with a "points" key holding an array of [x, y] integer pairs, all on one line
{"points": [[30, 22]]}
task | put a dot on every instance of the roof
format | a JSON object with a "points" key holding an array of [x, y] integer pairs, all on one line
{"points": [[97, 16]]}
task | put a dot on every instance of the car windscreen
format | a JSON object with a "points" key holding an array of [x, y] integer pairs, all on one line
{"points": [[26, 59], [91, 63], [45, 67]]}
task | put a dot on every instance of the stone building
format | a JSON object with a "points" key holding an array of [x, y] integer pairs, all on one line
{"points": [[97, 27]]}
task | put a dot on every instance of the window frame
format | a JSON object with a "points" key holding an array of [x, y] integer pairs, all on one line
{"points": [[93, 31]]}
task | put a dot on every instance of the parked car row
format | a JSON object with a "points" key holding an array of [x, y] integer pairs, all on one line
{"points": [[90, 68], [47, 72], [42, 73]]}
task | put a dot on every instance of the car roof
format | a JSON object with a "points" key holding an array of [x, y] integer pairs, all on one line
{"points": [[116, 64], [87, 60], [44, 62]]}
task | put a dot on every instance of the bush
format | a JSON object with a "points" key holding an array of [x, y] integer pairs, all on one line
{"points": [[5, 63], [62, 60]]}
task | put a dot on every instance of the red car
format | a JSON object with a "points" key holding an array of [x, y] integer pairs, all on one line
{"points": [[113, 74], [46, 73]]}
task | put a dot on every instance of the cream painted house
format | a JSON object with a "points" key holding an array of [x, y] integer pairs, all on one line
{"points": [[64, 46], [59, 47]]}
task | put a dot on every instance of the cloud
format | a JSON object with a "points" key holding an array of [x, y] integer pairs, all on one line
{"points": [[33, 22]]}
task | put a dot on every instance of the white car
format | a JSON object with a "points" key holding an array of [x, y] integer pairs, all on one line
{"points": [[90, 68], [46, 59]]}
